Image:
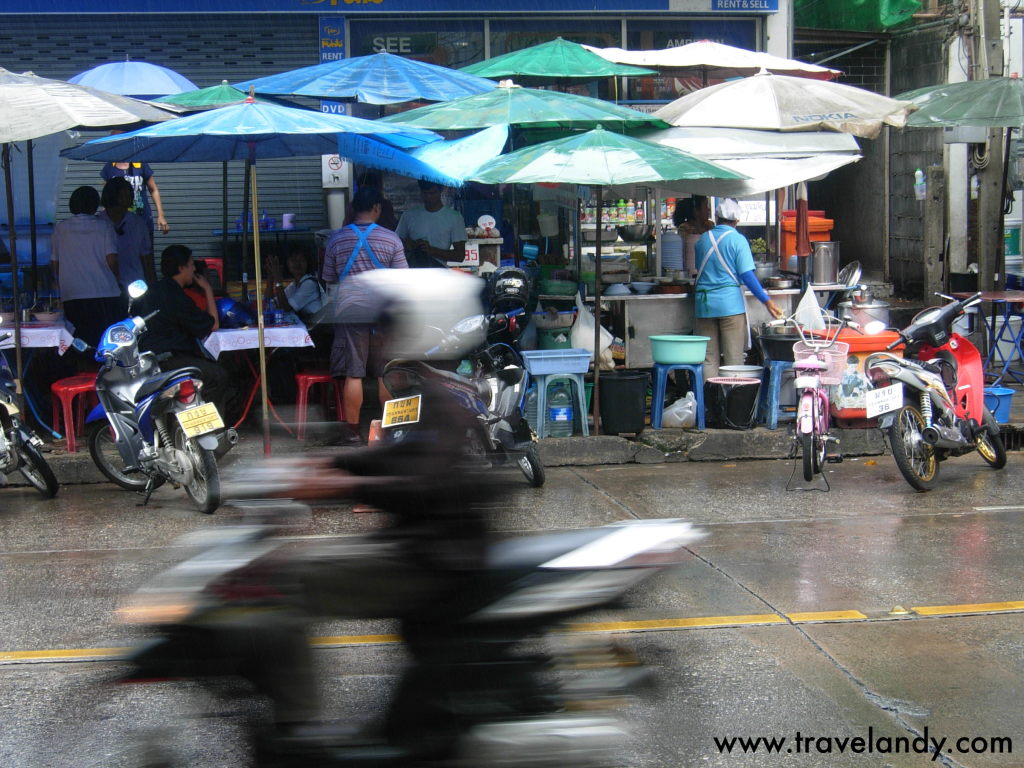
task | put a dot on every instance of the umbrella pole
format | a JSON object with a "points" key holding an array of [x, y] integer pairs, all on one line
{"points": [[224, 209], [597, 316], [251, 214], [1001, 252], [14, 275], [259, 312], [32, 215]]}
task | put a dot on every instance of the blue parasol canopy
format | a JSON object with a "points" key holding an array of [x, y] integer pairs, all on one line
{"points": [[139, 79], [379, 78], [245, 131]]}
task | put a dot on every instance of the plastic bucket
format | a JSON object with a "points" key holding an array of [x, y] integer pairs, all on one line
{"points": [[622, 401], [731, 402], [679, 350], [740, 371], [998, 400]]}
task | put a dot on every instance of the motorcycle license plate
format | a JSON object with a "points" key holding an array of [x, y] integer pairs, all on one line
{"points": [[404, 410], [200, 420], [883, 400]]}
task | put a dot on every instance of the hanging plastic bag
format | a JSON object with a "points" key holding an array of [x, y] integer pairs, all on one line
{"points": [[583, 335], [682, 414], [808, 312]]}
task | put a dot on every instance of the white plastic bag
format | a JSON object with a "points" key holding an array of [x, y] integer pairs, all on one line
{"points": [[583, 334], [682, 414], [808, 312]]}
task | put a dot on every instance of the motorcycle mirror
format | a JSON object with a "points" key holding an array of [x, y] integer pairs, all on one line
{"points": [[79, 345], [137, 289]]}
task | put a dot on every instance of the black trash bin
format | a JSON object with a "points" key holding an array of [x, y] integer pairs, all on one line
{"points": [[623, 402], [730, 402]]}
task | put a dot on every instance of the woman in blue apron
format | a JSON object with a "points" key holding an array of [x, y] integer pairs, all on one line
{"points": [[724, 266]]}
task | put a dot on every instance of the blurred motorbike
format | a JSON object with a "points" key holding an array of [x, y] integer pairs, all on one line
{"points": [[493, 677], [931, 401], [19, 445], [151, 426]]}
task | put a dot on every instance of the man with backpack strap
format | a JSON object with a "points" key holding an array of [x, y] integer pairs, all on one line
{"points": [[357, 352]]}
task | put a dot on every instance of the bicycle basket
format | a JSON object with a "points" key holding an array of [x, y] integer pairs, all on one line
{"points": [[834, 357]]}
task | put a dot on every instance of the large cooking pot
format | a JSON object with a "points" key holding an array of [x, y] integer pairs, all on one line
{"points": [[825, 263], [865, 312], [777, 341]]}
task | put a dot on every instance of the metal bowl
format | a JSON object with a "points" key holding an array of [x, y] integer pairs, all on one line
{"points": [[636, 233], [779, 283]]}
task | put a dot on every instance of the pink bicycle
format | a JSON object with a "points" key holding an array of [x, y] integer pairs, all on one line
{"points": [[819, 360]]}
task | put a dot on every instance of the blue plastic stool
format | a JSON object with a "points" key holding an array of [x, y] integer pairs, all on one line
{"points": [[661, 372], [543, 380], [769, 408]]}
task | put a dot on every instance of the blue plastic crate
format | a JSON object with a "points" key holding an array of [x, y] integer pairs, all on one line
{"points": [[543, 361]]}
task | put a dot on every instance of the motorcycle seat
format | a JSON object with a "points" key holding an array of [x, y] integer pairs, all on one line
{"points": [[159, 381]]}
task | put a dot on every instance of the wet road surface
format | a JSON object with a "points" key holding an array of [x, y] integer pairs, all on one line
{"points": [[779, 623]]}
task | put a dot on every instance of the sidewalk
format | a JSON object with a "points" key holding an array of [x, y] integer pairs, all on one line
{"points": [[650, 447]]}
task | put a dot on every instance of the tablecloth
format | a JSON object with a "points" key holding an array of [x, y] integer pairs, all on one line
{"points": [[39, 335], [228, 340]]}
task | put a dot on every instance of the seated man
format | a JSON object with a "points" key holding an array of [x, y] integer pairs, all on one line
{"points": [[181, 325]]}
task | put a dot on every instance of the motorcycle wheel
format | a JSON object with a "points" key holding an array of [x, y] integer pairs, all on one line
{"points": [[532, 468], [204, 490], [915, 458], [35, 469], [990, 444], [106, 457]]}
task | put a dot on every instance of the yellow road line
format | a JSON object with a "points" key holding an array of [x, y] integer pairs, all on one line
{"points": [[941, 610], [697, 622]]}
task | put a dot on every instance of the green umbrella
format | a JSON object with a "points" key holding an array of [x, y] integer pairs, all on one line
{"points": [[556, 59], [509, 104], [997, 102], [209, 98], [599, 158]]}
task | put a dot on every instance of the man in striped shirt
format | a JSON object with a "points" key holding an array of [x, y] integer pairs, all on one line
{"points": [[357, 350]]}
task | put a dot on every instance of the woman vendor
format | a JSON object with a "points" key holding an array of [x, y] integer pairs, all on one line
{"points": [[724, 266]]}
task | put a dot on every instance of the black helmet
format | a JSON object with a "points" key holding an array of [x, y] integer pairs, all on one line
{"points": [[510, 289]]}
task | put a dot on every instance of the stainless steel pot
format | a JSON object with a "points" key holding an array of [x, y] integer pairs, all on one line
{"points": [[764, 270], [865, 312], [825, 263]]}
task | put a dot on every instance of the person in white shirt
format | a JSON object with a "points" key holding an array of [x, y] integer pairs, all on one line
{"points": [[84, 261], [434, 233]]}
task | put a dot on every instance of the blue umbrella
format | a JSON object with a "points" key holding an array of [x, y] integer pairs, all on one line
{"points": [[246, 131], [445, 162], [379, 78], [134, 78]]}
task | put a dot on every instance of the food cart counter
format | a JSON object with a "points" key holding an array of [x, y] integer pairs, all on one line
{"points": [[635, 317]]}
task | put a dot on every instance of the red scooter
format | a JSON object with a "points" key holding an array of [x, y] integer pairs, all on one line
{"points": [[931, 402]]}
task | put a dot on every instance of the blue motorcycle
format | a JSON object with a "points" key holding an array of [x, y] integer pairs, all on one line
{"points": [[19, 446], [152, 426]]}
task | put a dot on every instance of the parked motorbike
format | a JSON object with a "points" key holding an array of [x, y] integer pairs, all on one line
{"points": [[493, 386], [19, 445], [492, 681], [151, 426], [931, 401]]}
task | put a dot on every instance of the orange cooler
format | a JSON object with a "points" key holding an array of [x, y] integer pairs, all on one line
{"points": [[819, 229], [848, 397]]}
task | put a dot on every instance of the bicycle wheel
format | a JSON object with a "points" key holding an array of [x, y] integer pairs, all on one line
{"points": [[916, 459], [807, 454]]}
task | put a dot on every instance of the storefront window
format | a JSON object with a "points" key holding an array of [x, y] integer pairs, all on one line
{"points": [[508, 36], [657, 34]]}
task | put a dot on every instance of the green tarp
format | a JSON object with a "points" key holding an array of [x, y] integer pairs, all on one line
{"points": [[854, 15]]}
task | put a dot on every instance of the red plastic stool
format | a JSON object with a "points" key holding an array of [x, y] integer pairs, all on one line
{"points": [[65, 391], [303, 382]]}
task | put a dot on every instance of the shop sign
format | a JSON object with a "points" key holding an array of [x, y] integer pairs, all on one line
{"points": [[748, 6], [332, 48], [322, 6]]}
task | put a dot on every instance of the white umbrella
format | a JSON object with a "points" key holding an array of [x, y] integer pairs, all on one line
{"points": [[769, 158], [714, 60], [780, 103], [32, 107]]}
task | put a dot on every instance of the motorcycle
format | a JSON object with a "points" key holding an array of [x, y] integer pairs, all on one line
{"points": [[151, 426], [493, 676], [492, 384], [19, 446], [931, 402]]}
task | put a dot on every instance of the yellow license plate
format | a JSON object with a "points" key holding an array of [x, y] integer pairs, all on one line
{"points": [[200, 420], [405, 410]]}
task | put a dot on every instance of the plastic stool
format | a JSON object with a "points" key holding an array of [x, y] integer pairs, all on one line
{"points": [[64, 392], [769, 408], [543, 380], [303, 382], [661, 372]]}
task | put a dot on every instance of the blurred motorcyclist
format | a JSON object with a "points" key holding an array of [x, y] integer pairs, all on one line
{"points": [[434, 539]]}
